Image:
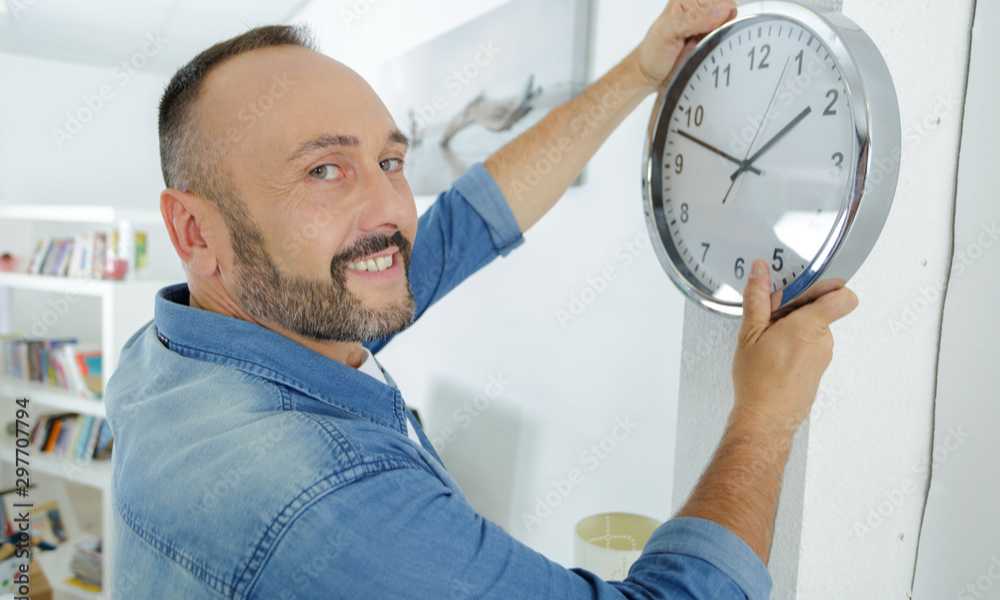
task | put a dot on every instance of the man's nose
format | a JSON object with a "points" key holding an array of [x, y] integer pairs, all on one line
{"points": [[383, 207]]}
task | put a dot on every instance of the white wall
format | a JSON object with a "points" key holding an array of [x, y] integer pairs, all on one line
{"points": [[75, 134], [854, 492], [540, 449], [523, 404], [959, 554]]}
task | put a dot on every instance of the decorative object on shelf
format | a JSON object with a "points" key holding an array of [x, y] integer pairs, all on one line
{"points": [[608, 543], [8, 263]]}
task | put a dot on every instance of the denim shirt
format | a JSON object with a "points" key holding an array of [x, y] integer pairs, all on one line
{"points": [[247, 466]]}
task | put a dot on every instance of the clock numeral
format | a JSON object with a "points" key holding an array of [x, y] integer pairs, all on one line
{"points": [[779, 260], [685, 213], [698, 115], [838, 158], [801, 59], [739, 270], [679, 164], [705, 253], [728, 71], [765, 53], [829, 112]]}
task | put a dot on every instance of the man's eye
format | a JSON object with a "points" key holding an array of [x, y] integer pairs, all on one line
{"points": [[392, 165], [327, 172]]}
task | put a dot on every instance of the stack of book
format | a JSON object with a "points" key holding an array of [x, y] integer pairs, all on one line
{"points": [[57, 362], [83, 437], [94, 255], [86, 564]]}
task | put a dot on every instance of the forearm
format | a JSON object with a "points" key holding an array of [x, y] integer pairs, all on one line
{"points": [[536, 168], [741, 486]]}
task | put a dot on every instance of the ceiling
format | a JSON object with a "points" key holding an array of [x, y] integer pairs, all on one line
{"points": [[163, 33]]}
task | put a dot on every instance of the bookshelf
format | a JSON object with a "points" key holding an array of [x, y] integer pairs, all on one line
{"points": [[124, 307]]}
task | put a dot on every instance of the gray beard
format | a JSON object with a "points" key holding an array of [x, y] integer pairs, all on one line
{"points": [[324, 311]]}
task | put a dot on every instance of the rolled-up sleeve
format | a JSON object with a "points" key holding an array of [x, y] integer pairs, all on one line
{"points": [[465, 229], [483, 194], [698, 555], [403, 534]]}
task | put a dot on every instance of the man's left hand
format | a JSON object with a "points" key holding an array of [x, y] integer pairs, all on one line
{"points": [[682, 23]]}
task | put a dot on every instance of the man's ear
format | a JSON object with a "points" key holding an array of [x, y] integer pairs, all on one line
{"points": [[188, 219]]}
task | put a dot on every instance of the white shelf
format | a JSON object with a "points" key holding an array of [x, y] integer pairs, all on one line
{"points": [[94, 473], [56, 565], [77, 213], [72, 285], [125, 306], [48, 395]]}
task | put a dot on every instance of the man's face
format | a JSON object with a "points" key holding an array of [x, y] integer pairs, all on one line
{"points": [[315, 161]]}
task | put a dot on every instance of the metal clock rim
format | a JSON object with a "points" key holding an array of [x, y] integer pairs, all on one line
{"points": [[840, 36]]}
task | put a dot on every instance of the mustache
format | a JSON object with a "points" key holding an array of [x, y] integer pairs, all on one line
{"points": [[371, 245]]}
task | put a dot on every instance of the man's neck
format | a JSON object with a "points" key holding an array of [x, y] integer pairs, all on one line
{"points": [[351, 354]]}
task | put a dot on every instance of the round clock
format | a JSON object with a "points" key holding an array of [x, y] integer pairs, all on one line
{"points": [[778, 137]]}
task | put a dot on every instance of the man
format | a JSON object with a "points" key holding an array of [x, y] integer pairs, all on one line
{"points": [[262, 452]]}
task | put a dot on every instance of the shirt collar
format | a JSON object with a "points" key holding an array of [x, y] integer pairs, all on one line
{"points": [[207, 335]]}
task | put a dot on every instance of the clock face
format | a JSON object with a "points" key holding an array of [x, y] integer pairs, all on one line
{"points": [[758, 149]]}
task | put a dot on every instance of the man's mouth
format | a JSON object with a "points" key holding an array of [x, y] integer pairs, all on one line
{"points": [[376, 263]]}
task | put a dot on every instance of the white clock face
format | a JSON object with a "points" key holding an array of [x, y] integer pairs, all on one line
{"points": [[758, 157]]}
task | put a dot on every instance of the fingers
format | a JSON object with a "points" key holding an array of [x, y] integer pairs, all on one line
{"points": [[756, 302], [693, 17], [829, 308]]}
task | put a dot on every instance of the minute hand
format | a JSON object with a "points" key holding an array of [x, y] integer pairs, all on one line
{"points": [[712, 148], [746, 166]]}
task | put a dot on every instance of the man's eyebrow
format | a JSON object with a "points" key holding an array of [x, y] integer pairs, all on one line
{"points": [[398, 137], [323, 142], [329, 141]]}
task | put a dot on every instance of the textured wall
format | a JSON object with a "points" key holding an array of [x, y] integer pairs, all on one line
{"points": [[857, 479], [959, 555]]}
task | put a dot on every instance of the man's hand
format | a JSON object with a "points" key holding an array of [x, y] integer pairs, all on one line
{"points": [[682, 23], [534, 170], [776, 373], [778, 366]]}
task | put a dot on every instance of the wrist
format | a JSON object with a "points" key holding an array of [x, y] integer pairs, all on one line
{"points": [[642, 81], [748, 421]]}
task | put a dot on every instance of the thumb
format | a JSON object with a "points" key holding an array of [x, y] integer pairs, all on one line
{"points": [[756, 303]]}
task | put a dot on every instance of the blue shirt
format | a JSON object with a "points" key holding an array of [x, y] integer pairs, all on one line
{"points": [[247, 466]]}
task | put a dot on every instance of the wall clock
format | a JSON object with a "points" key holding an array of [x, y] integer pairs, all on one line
{"points": [[778, 137]]}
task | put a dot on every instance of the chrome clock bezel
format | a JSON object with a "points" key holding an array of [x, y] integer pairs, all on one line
{"points": [[878, 134]]}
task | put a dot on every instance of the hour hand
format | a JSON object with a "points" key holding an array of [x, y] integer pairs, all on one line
{"points": [[721, 153]]}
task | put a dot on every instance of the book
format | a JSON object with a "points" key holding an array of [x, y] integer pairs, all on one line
{"points": [[104, 442], [99, 255], [53, 436], [38, 256], [95, 427], [59, 362], [90, 366]]}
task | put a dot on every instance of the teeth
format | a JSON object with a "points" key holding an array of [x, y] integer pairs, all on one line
{"points": [[372, 265]]}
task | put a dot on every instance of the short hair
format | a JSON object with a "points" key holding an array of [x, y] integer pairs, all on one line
{"points": [[180, 142]]}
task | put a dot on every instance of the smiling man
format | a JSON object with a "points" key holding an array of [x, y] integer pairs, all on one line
{"points": [[260, 449]]}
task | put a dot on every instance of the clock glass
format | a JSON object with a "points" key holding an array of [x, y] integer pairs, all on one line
{"points": [[757, 155]]}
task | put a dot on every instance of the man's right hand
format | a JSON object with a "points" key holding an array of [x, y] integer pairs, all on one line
{"points": [[778, 365]]}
